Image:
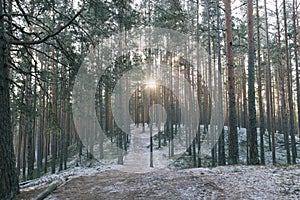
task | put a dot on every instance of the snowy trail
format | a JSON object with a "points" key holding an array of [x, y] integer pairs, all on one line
{"points": [[228, 182], [138, 155]]}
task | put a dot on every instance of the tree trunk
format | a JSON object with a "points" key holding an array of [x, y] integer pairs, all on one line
{"points": [[297, 62], [28, 124], [47, 120], [9, 185], [259, 82], [282, 88], [244, 93], [290, 87], [54, 128], [268, 90], [233, 137], [101, 136], [20, 138], [251, 90], [40, 131], [221, 142]]}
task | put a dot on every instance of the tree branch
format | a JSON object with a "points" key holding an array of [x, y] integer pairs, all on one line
{"points": [[23, 12], [48, 36]]}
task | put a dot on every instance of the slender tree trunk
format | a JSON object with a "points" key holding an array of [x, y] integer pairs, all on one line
{"points": [[63, 120], [233, 137], [251, 90], [101, 136], [244, 93], [221, 142], [68, 131], [54, 127], [24, 159], [282, 88], [268, 90], [47, 120], [296, 62], [21, 136], [290, 87], [20, 139], [259, 82], [40, 132], [29, 116], [29, 126]]}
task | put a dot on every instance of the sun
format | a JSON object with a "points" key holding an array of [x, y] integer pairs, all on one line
{"points": [[150, 83]]}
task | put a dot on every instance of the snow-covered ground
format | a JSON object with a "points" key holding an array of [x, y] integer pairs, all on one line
{"points": [[229, 182], [279, 147], [137, 180]]}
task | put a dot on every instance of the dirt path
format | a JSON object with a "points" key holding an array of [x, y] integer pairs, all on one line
{"points": [[240, 182], [228, 182], [138, 155], [137, 158], [153, 185]]}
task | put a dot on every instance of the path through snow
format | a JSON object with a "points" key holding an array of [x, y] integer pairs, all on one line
{"points": [[137, 158]]}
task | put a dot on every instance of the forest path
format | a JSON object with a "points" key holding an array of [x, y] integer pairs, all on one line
{"points": [[138, 155], [228, 182], [137, 159], [160, 184]]}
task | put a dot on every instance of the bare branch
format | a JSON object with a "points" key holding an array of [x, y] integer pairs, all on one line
{"points": [[23, 12], [48, 36], [46, 55]]}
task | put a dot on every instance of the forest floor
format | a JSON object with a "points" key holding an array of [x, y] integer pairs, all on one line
{"points": [[136, 180], [228, 182]]}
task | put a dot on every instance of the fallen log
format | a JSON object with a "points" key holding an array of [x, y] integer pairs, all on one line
{"points": [[50, 189]]}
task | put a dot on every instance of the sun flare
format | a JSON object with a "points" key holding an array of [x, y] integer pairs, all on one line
{"points": [[150, 84]]}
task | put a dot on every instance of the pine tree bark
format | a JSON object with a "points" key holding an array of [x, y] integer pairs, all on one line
{"points": [[47, 120], [290, 88], [233, 137], [20, 138], [9, 185], [251, 90], [40, 132], [244, 93], [296, 63], [282, 88], [29, 124]]}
